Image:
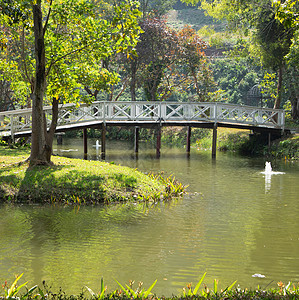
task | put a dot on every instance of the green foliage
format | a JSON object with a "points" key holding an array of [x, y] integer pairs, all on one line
{"points": [[152, 79], [71, 63], [271, 28], [10, 292], [235, 77], [101, 294], [172, 186], [272, 37], [139, 293], [206, 293], [206, 31], [156, 7], [286, 148], [288, 291], [287, 12], [268, 86]]}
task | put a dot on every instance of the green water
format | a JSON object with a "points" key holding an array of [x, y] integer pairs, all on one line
{"points": [[234, 223]]}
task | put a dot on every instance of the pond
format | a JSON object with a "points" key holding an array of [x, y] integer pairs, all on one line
{"points": [[235, 222]]}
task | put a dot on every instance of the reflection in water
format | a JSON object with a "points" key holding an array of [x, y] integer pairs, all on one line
{"points": [[268, 173], [227, 225], [267, 182]]}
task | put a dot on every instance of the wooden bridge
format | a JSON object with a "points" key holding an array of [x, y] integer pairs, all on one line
{"points": [[17, 123]]}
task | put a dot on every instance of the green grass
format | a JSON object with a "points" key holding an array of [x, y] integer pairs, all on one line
{"points": [[75, 181]]}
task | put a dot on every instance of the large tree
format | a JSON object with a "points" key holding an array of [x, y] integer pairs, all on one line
{"points": [[256, 19], [167, 62], [287, 12], [64, 35]]}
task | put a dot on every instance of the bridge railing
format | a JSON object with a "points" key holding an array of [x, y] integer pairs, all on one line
{"points": [[12, 122]]}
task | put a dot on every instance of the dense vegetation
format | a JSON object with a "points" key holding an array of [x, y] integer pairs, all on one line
{"points": [[244, 143]]}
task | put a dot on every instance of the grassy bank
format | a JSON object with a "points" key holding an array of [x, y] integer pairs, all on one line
{"points": [[199, 291], [75, 181], [242, 142], [228, 139]]}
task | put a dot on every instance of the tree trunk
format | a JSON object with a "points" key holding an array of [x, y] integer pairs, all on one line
{"points": [[39, 148], [51, 131], [279, 88], [294, 89], [196, 84], [295, 108], [133, 80]]}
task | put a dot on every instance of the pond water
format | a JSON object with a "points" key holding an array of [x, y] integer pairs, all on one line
{"points": [[235, 222]]}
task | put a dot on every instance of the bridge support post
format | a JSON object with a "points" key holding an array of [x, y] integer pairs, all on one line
{"points": [[136, 142], [158, 145], [85, 143], [59, 138], [188, 146], [214, 141], [103, 141]]}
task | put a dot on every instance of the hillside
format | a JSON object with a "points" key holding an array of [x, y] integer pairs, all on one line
{"points": [[182, 14]]}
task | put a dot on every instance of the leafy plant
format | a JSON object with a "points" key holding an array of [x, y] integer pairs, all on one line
{"points": [[101, 294], [10, 292], [139, 292], [172, 186], [194, 292], [206, 292]]}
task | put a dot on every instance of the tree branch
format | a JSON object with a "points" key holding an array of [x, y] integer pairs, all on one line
{"points": [[122, 89], [23, 55], [62, 57], [48, 17]]}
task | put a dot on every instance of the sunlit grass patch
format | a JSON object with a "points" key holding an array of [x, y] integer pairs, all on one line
{"points": [[228, 139], [75, 181]]}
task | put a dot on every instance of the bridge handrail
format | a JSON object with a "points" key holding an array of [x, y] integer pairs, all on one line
{"points": [[15, 121]]}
